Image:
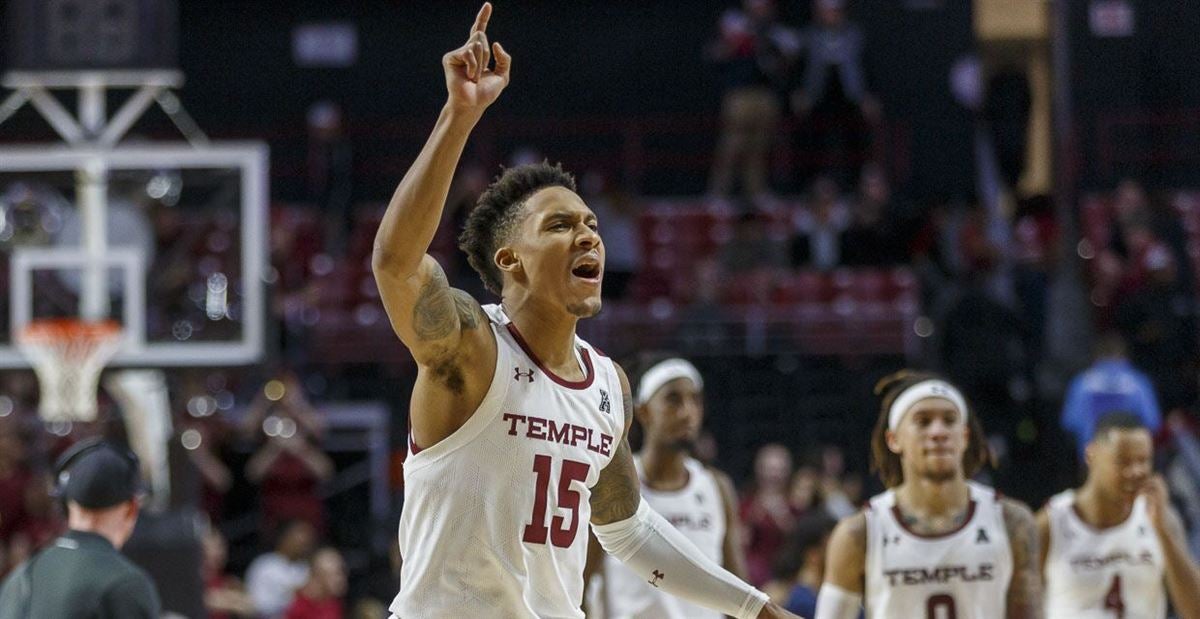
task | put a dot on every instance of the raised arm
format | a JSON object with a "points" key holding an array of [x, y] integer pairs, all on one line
{"points": [[637, 536], [1182, 574], [1025, 589], [425, 312]]}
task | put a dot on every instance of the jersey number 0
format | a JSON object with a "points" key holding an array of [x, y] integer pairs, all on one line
{"points": [[561, 533], [940, 606]]}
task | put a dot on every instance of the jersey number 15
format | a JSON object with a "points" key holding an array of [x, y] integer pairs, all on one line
{"points": [[561, 533]]}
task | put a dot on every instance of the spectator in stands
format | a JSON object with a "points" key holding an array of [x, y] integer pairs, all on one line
{"points": [[1130, 204], [321, 596], [618, 212], [833, 470], [1154, 316], [224, 595], [289, 466], [801, 562], [751, 248], [330, 170], [870, 240], [819, 225], [1035, 249], [201, 439], [766, 513], [978, 321], [756, 53], [834, 47], [42, 520], [14, 476], [703, 323], [804, 490], [832, 94], [273, 578], [978, 254], [1112, 383]]}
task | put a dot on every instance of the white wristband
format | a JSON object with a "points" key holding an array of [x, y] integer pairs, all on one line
{"points": [[834, 602], [651, 547]]}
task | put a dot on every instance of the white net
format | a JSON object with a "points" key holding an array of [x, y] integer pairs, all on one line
{"points": [[67, 356]]}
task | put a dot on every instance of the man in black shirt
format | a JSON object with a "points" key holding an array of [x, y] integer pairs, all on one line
{"points": [[82, 574]]}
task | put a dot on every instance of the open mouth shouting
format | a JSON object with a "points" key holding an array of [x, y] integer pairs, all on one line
{"points": [[588, 269]]}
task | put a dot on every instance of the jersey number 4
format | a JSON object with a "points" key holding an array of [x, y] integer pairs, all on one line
{"points": [[560, 532]]}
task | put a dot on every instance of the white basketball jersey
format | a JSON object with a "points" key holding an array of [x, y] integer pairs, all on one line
{"points": [[963, 574], [697, 510], [495, 519], [1114, 573]]}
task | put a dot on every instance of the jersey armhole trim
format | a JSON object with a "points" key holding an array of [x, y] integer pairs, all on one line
{"points": [[483, 414]]}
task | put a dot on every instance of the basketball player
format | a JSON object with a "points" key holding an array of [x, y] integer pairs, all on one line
{"points": [[934, 545], [518, 427], [696, 500], [1108, 547]]}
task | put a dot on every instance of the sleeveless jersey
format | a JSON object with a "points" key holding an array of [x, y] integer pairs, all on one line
{"points": [[1114, 573], [961, 574], [696, 510], [495, 518]]}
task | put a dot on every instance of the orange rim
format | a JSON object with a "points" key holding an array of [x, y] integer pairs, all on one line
{"points": [[69, 329]]}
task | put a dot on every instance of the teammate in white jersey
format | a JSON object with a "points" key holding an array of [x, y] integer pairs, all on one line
{"points": [[517, 431], [1115, 548], [696, 500], [934, 546]]}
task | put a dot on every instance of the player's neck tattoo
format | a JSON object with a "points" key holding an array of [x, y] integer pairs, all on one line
{"points": [[934, 525]]}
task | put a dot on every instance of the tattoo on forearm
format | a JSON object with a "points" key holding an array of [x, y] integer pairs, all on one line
{"points": [[1025, 590]]}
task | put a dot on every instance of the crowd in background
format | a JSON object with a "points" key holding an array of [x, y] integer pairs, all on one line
{"points": [[987, 282]]}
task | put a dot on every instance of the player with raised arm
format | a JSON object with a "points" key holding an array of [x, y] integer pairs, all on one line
{"points": [[1115, 548], [517, 426], [697, 500], [934, 545]]}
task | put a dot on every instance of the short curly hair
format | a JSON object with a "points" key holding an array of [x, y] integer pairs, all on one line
{"points": [[495, 215]]}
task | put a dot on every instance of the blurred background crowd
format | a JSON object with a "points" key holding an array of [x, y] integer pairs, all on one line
{"points": [[801, 196]]}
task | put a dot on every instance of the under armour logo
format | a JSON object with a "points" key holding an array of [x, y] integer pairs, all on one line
{"points": [[894, 540], [605, 407], [981, 537], [518, 375], [657, 577]]}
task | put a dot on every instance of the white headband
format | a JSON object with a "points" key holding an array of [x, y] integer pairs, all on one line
{"points": [[664, 372], [920, 391]]}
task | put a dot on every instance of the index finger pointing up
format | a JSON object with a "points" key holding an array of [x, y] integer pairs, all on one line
{"points": [[481, 20]]}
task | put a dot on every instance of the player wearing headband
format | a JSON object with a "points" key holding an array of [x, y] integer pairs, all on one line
{"points": [[934, 545], [518, 426], [698, 501], [1116, 547]]}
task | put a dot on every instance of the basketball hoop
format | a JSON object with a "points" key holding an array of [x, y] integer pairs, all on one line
{"points": [[67, 355]]}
